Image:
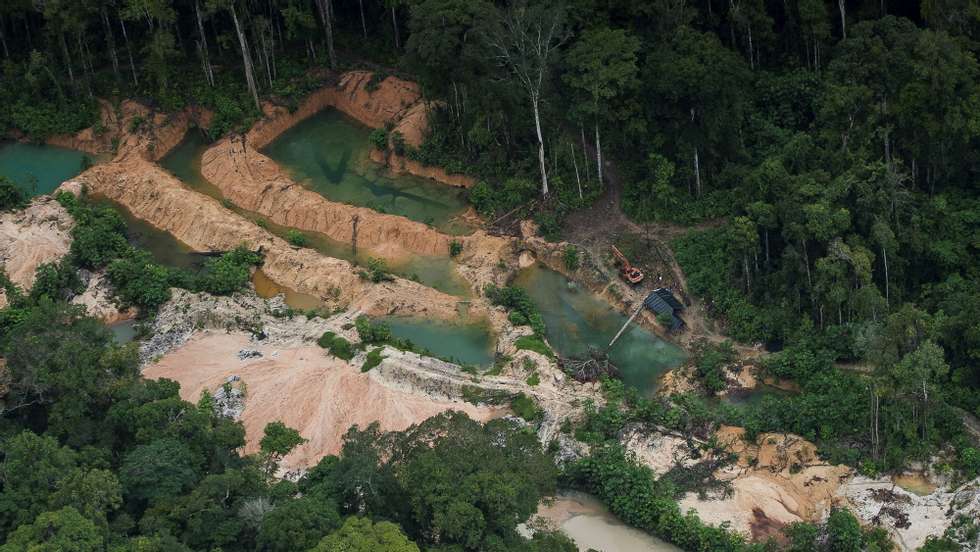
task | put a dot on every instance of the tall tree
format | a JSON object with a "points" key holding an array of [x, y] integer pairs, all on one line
{"points": [[230, 7], [524, 39], [602, 64]]}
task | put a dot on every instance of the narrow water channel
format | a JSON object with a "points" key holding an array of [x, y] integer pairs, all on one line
{"points": [[439, 273], [576, 319], [587, 522], [468, 344], [162, 246], [329, 153], [38, 169]]}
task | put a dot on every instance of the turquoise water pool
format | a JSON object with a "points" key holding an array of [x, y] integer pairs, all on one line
{"points": [[39, 169], [576, 319]]}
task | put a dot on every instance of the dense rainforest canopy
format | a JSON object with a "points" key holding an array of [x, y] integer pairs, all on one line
{"points": [[823, 152]]}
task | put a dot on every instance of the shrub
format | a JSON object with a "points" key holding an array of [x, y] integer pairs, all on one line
{"points": [[379, 139], [297, 238], [374, 358], [138, 281], [230, 272], [377, 271], [338, 346], [524, 406], [135, 123], [398, 142], [11, 197], [534, 343], [372, 332], [534, 379], [57, 281], [455, 248], [571, 257], [523, 311]]}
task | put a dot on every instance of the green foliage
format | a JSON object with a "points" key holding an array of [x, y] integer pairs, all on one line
{"points": [[374, 358], [455, 248], [297, 524], [636, 497], [56, 281], [534, 379], [337, 345], [372, 332], [278, 440], [398, 142], [98, 236], [525, 407], [570, 257], [379, 139], [138, 281], [377, 271], [229, 272], [710, 361], [468, 483], [297, 238], [11, 197], [359, 534], [523, 311], [534, 343], [64, 530], [159, 470], [706, 260]]}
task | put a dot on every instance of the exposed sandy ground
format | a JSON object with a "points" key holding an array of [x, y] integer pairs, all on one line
{"points": [[777, 480], [38, 234], [202, 223], [303, 387]]}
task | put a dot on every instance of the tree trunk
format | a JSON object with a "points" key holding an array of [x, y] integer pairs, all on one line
{"points": [[326, 16], [394, 25], [129, 51], [585, 150], [111, 43], [64, 50], [205, 55], [537, 127], [598, 152], [843, 24], [360, 4], [3, 39], [697, 172], [766, 232], [884, 256], [578, 181], [246, 59], [806, 263]]}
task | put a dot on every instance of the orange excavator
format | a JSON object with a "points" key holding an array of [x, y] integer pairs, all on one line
{"points": [[629, 272]]}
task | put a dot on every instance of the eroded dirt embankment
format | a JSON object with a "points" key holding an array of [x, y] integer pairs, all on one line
{"points": [[152, 194], [256, 183], [133, 129]]}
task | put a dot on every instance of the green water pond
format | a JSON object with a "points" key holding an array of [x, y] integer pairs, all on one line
{"points": [[184, 162], [576, 319], [38, 169], [468, 344], [124, 331], [329, 153]]}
